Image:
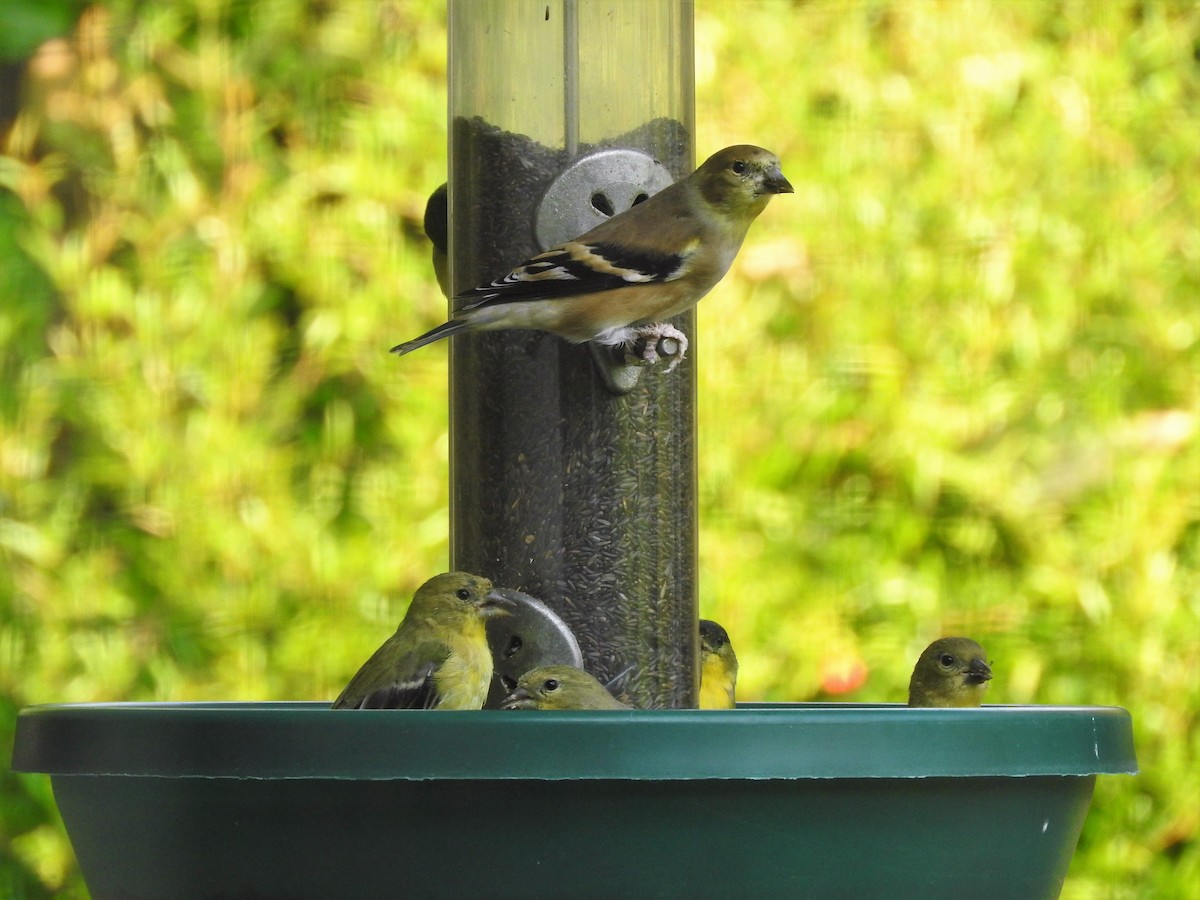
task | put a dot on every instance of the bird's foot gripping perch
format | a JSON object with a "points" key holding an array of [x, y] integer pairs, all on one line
{"points": [[621, 366], [654, 343]]}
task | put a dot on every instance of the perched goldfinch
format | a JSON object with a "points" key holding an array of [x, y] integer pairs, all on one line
{"points": [[560, 687], [618, 282], [718, 667], [439, 657], [951, 671]]}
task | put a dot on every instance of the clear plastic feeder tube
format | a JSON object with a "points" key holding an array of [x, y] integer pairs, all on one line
{"points": [[561, 488]]}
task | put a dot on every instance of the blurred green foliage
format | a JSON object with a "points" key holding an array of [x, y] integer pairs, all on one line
{"points": [[28, 23], [970, 344]]}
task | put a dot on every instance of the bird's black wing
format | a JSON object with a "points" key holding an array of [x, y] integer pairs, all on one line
{"points": [[576, 268], [416, 692], [391, 681]]}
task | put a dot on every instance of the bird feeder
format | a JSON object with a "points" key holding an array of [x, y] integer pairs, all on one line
{"points": [[573, 478]]}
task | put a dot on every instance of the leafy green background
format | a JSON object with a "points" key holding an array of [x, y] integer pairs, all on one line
{"points": [[951, 385]]}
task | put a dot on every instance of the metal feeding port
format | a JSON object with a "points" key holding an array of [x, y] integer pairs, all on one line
{"points": [[531, 636], [590, 191], [595, 188]]}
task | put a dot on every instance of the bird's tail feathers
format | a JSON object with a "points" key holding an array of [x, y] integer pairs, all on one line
{"points": [[454, 326]]}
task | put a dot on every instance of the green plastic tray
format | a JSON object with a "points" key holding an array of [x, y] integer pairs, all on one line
{"points": [[821, 800]]}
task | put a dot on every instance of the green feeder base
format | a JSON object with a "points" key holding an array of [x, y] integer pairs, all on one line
{"points": [[294, 800]]}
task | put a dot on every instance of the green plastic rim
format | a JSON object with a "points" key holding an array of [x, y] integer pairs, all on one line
{"points": [[755, 741]]}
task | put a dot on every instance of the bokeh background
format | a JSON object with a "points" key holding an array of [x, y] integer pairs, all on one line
{"points": [[950, 386]]}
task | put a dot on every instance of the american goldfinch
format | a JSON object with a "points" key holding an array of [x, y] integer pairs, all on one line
{"points": [[560, 687], [718, 667], [617, 283], [439, 657], [950, 672]]}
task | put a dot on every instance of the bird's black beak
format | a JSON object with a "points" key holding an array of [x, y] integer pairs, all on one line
{"points": [[775, 183], [518, 699], [978, 671]]}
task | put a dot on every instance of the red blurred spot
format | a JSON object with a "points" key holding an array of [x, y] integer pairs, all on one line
{"points": [[841, 675]]}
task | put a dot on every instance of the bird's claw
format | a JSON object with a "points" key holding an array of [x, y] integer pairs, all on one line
{"points": [[621, 365], [654, 343]]}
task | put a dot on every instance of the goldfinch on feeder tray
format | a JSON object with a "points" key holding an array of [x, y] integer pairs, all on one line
{"points": [[439, 656], [560, 687], [951, 671], [718, 667]]}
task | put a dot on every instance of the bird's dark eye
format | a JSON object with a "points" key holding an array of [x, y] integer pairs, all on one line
{"points": [[738, 167], [462, 594], [550, 684], [946, 660]]}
